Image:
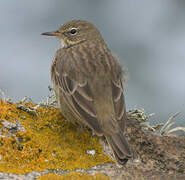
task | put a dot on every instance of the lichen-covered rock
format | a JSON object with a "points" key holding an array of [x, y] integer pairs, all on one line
{"points": [[37, 142], [45, 141], [74, 176]]}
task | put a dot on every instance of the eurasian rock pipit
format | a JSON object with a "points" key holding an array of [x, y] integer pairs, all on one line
{"points": [[87, 80]]}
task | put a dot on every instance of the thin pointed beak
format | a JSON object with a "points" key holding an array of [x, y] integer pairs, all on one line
{"points": [[54, 33]]}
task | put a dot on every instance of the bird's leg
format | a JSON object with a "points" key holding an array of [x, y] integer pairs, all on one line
{"points": [[91, 132]]}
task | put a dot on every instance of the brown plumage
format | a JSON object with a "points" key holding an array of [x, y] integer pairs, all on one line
{"points": [[87, 80]]}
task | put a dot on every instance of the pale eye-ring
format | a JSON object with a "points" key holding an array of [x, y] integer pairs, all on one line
{"points": [[73, 31]]}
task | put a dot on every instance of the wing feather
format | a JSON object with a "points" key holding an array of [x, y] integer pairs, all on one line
{"points": [[119, 103], [79, 99]]}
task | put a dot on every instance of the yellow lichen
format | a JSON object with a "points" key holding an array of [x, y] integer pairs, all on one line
{"points": [[48, 142], [74, 176]]}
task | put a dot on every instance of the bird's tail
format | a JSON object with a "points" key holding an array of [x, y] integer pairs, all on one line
{"points": [[120, 147]]}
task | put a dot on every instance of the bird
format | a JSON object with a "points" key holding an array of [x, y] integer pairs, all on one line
{"points": [[87, 80]]}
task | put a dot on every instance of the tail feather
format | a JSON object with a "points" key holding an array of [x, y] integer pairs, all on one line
{"points": [[120, 147]]}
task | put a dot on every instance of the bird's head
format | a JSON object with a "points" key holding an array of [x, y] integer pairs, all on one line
{"points": [[75, 32]]}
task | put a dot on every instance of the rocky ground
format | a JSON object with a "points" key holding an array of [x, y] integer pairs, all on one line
{"points": [[37, 142]]}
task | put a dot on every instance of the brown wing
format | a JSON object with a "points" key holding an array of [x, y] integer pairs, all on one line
{"points": [[119, 103], [79, 99]]}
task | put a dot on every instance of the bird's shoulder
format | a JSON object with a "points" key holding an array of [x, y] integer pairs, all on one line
{"points": [[61, 61], [80, 61]]}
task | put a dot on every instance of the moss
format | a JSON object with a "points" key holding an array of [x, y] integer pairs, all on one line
{"points": [[74, 176], [49, 142]]}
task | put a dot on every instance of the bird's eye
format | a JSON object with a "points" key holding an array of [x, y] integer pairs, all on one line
{"points": [[73, 31]]}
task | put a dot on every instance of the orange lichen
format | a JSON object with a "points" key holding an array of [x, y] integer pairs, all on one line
{"points": [[74, 176], [48, 142]]}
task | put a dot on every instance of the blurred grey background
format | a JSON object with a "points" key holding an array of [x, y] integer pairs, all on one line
{"points": [[147, 35]]}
